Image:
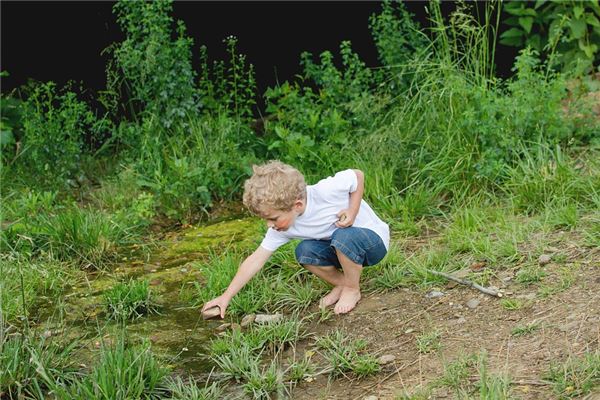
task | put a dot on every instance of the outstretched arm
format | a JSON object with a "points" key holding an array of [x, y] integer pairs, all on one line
{"points": [[347, 216], [249, 267]]}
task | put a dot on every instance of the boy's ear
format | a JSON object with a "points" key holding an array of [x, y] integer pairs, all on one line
{"points": [[299, 204]]}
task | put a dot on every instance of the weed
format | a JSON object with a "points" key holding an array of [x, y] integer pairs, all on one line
{"points": [[457, 372], [298, 370], [130, 300], [525, 330], [530, 274], [88, 237], [122, 372], [511, 304], [491, 387], [22, 357], [237, 362], [576, 376], [428, 342], [343, 355], [566, 279], [261, 383], [181, 390]]}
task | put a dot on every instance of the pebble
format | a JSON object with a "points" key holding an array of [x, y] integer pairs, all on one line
{"points": [[247, 320], [213, 312], [544, 259], [267, 318], [370, 398], [473, 303], [223, 327], [434, 294], [386, 359], [526, 296]]}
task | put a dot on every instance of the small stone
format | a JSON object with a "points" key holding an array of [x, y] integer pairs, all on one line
{"points": [[478, 265], [183, 270], [267, 318], [386, 359], [460, 320], [47, 334], [473, 303], [544, 259], [526, 296], [370, 398], [213, 312], [247, 320], [434, 294], [409, 330], [223, 327]]}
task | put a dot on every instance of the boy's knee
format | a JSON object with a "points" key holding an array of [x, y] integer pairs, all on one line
{"points": [[302, 250]]}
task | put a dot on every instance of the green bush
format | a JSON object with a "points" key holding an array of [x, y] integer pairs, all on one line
{"points": [[156, 68], [58, 129]]}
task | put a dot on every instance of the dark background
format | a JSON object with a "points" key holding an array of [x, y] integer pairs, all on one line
{"points": [[62, 41]]}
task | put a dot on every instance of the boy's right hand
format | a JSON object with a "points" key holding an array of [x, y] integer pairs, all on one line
{"points": [[222, 302]]}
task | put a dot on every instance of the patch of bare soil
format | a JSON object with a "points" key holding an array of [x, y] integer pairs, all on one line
{"points": [[568, 321]]}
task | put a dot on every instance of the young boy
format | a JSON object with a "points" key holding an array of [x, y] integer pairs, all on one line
{"points": [[338, 228]]}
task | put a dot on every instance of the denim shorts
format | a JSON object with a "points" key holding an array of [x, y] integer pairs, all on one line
{"points": [[361, 245]]}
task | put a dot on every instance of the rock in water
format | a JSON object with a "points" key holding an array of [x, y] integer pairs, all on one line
{"points": [[213, 312]]}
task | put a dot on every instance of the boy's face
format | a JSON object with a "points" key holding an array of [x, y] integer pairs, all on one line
{"points": [[282, 220]]}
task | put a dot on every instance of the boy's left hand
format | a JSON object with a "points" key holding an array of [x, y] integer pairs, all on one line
{"points": [[345, 218]]}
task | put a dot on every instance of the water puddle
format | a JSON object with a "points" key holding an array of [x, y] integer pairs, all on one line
{"points": [[178, 332]]}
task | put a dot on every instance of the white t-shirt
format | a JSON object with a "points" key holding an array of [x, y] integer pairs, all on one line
{"points": [[323, 201]]}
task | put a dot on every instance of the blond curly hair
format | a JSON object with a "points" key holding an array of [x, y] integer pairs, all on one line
{"points": [[273, 185]]}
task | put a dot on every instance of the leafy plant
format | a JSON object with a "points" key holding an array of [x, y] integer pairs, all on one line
{"points": [[156, 68], [569, 28], [57, 129]]}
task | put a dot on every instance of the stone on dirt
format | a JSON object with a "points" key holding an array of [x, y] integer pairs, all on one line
{"points": [[434, 294], [544, 259], [386, 359], [473, 303]]}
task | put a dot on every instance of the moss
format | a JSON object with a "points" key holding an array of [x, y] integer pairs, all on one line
{"points": [[200, 240]]}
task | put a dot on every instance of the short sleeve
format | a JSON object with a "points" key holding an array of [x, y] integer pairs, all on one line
{"points": [[343, 182], [273, 240]]}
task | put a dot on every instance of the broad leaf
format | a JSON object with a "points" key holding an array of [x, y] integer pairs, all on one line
{"points": [[526, 23], [578, 28]]}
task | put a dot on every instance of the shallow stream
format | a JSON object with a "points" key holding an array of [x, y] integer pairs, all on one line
{"points": [[178, 333]]}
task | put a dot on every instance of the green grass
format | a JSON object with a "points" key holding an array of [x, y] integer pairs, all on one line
{"points": [[23, 360], [429, 342], [264, 383], [28, 285], [344, 355], [523, 330], [512, 304], [456, 373], [179, 389], [130, 300], [87, 237], [575, 377], [122, 372]]}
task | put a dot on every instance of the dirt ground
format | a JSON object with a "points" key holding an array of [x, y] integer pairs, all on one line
{"points": [[568, 321]]}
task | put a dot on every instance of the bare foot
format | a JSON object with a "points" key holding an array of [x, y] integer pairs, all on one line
{"points": [[347, 300], [331, 298]]}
